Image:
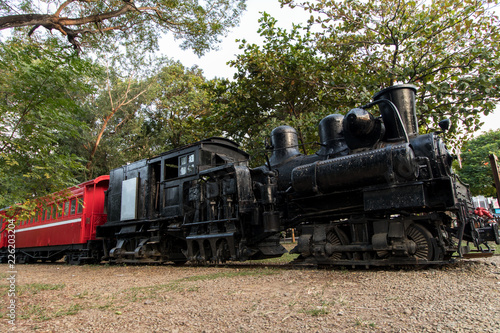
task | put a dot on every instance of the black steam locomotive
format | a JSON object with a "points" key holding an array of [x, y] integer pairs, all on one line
{"points": [[375, 193]]}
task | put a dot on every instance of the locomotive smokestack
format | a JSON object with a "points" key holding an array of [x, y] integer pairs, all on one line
{"points": [[285, 144], [403, 97]]}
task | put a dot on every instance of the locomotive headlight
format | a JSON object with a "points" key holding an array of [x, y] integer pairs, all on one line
{"points": [[444, 154], [431, 147]]}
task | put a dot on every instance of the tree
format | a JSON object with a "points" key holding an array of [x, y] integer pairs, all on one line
{"points": [[130, 22], [476, 168], [116, 102], [286, 81], [352, 49], [448, 49], [179, 109], [38, 114], [141, 115]]}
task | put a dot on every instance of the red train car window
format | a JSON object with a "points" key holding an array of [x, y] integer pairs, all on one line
{"points": [[54, 210], [43, 215], [66, 208], [80, 205], [60, 209], [73, 207]]}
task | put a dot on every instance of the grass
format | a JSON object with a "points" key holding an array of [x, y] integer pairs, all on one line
{"points": [[70, 311], [318, 311], [42, 314], [37, 311], [284, 259], [183, 285], [34, 288]]}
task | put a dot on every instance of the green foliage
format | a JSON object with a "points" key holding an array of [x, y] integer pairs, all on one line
{"points": [[476, 168], [35, 288], [178, 104], [111, 116], [284, 82], [137, 25], [38, 115], [66, 119], [448, 49], [139, 116], [352, 49]]}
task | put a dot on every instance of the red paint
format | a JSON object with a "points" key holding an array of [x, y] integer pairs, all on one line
{"points": [[76, 227]]}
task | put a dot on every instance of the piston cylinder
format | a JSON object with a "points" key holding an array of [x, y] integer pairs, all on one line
{"points": [[271, 221]]}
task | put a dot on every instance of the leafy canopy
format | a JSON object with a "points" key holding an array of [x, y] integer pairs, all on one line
{"points": [[134, 117], [349, 50], [449, 49], [39, 112], [476, 168], [104, 24], [285, 81]]}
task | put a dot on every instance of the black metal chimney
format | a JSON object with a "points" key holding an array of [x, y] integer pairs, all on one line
{"points": [[403, 97]]}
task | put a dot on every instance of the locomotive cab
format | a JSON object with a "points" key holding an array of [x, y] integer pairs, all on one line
{"points": [[152, 202]]}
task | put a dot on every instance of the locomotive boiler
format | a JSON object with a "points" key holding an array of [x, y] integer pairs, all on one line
{"points": [[375, 193]]}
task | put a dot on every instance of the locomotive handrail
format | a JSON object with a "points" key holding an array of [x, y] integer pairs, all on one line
{"points": [[210, 221]]}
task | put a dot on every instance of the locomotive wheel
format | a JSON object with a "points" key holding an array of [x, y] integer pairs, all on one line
{"points": [[336, 237], [423, 240]]}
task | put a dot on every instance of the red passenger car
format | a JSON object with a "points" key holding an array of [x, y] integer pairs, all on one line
{"points": [[63, 228]]}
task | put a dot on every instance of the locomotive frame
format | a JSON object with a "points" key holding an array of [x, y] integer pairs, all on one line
{"points": [[376, 193]]}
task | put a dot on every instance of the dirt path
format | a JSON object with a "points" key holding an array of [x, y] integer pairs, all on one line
{"points": [[57, 298]]}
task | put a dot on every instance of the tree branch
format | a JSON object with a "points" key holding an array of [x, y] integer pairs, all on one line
{"points": [[61, 8]]}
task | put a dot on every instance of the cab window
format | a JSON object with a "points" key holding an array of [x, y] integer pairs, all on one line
{"points": [[186, 165]]}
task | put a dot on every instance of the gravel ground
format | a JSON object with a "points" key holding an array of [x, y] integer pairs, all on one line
{"points": [[463, 297]]}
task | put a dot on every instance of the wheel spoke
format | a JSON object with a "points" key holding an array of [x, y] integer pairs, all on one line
{"points": [[423, 241], [336, 237]]}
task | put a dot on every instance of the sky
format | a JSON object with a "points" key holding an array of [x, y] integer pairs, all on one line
{"points": [[214, 62]]}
